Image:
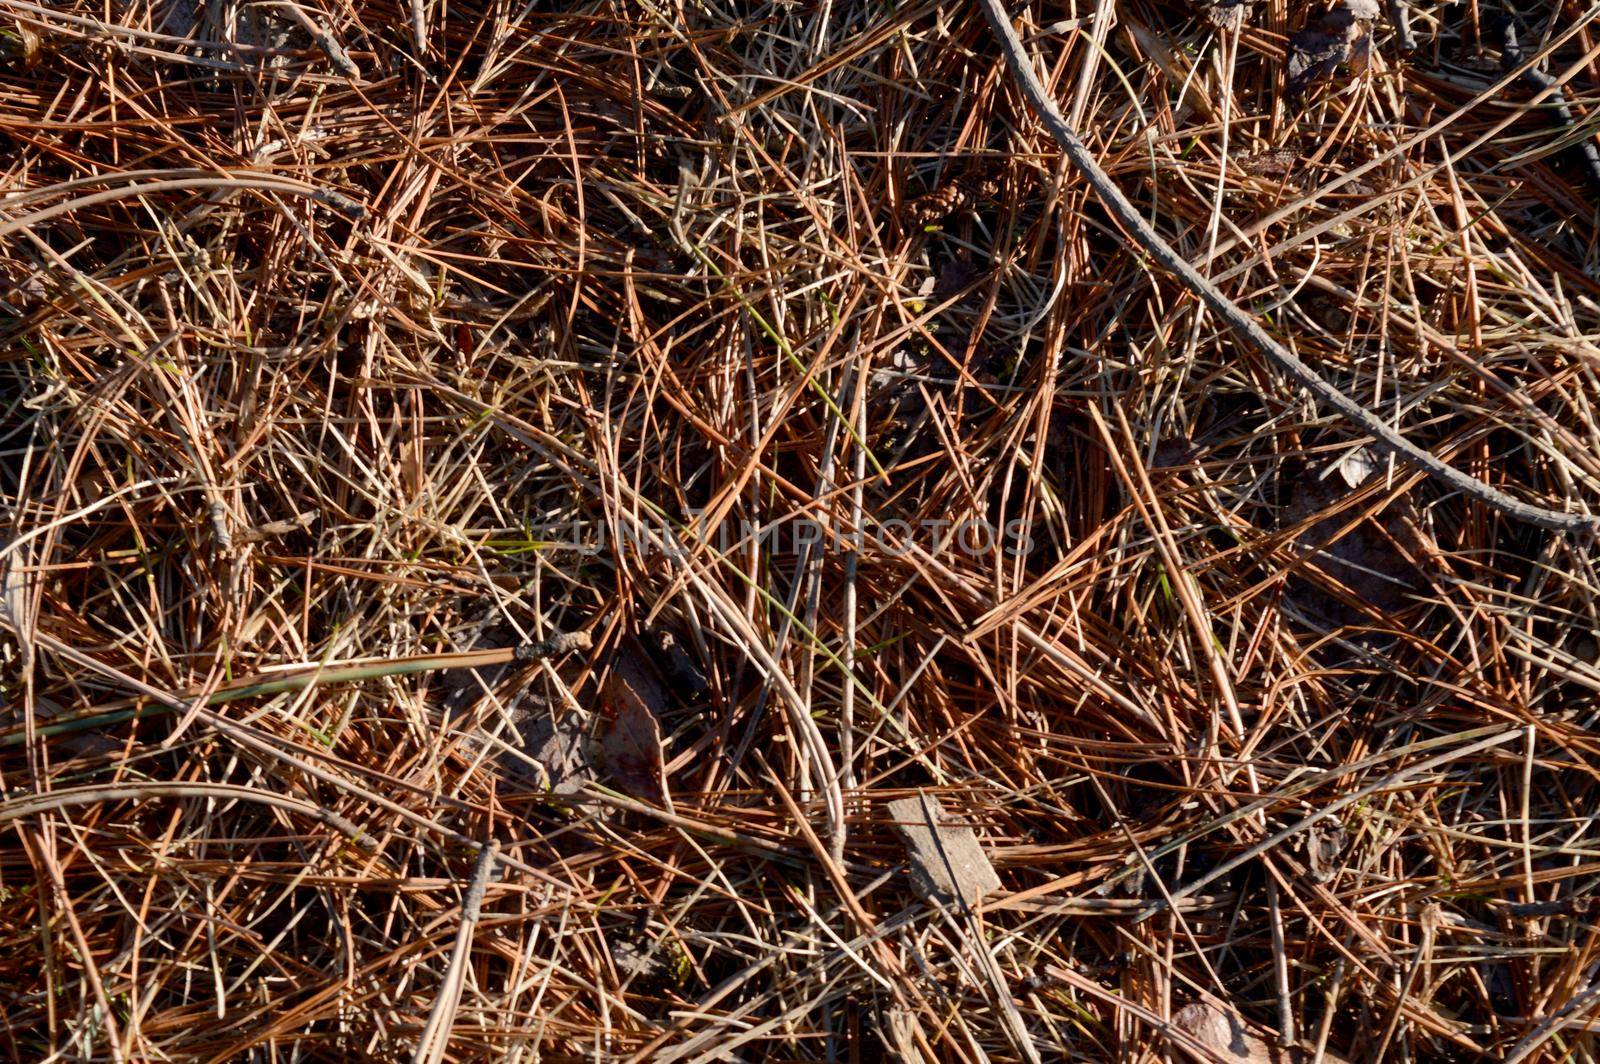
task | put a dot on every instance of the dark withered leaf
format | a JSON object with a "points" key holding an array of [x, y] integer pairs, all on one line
{"points": [[677, 666], [559, 750], [1370, 560], [1325, 843], [628, 746], [1174, 452], [465, 688], [1337, 38]]}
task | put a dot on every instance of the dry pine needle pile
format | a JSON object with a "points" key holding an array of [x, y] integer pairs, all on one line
{"points": [[782, 531]]}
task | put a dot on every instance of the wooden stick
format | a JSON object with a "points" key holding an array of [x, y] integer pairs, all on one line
{"points": [[325, 40], [435, 1038]]}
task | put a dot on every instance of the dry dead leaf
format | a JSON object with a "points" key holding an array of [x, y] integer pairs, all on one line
{"points": [[1342, 37], [1325, 843], [628, 747], [947, 861], [558, 746], [1227, 1038], [1357, 465], [956, 275]]}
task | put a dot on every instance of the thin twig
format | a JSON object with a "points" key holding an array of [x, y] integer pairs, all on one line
{"points": [[435, 1039], [325, 40]]}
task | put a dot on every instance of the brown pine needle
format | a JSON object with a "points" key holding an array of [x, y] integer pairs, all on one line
{"points": [[506, 504]]}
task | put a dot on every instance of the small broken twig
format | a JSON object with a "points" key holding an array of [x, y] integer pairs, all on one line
{"points": [[557, 645], [436, 1034], [324, 39]]}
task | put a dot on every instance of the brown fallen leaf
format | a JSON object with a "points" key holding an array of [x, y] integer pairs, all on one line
{"points": [[1372, 559], [558, 749], [1227, 1038], [547, 750], [1342, 37], [947, 861], [628, 745], [1325, 843]]}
